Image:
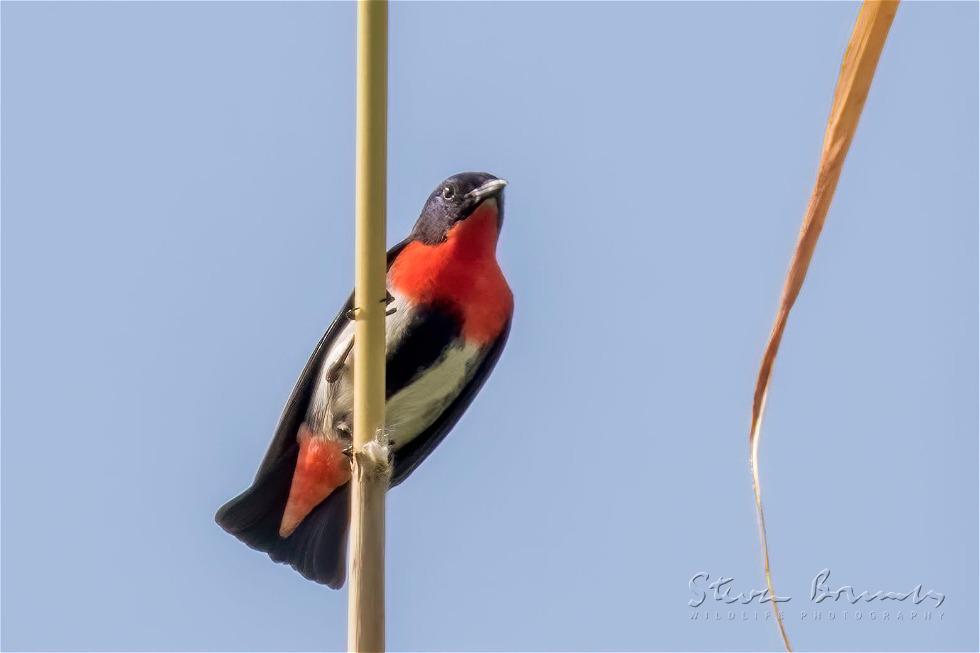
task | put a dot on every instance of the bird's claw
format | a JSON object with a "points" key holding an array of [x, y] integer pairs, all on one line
{"points": [[351, 313]]}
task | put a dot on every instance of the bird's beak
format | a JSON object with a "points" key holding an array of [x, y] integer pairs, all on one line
{"points": [[488, 189]]}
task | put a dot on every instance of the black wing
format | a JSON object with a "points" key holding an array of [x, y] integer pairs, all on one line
{"points": [[317, 548], [284, 441], [410, 456]]}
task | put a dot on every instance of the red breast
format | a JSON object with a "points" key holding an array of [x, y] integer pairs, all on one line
{"points": [[463, 271]]}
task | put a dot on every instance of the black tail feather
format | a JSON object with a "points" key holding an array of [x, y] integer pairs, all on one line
{"points": [[317, 549]]}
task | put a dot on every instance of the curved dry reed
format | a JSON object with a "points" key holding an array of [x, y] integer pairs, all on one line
{"points": [[857, 70]]}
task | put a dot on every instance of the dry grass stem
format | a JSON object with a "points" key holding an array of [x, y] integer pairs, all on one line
{"points": [[857, 71], [366, 599]]}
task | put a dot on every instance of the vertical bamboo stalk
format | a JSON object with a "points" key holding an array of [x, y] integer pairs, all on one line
{"points": [[853, 84], [366, 606]]}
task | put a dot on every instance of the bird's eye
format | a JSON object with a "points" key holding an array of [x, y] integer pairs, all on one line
{"points": [[448, 192]]}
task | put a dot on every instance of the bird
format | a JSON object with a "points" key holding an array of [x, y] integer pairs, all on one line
{"points": [[448, 316]]}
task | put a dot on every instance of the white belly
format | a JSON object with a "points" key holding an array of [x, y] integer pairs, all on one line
{"points": [[412, 409], [415, 407]]}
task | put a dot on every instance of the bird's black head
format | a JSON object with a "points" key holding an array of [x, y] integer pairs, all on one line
{"points": [[455, 200]]}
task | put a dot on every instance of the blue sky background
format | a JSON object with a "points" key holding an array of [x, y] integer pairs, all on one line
{"points": [[177, 231]]}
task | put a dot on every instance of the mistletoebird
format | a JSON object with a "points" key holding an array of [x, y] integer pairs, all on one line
{"points": [[449, 313]]}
